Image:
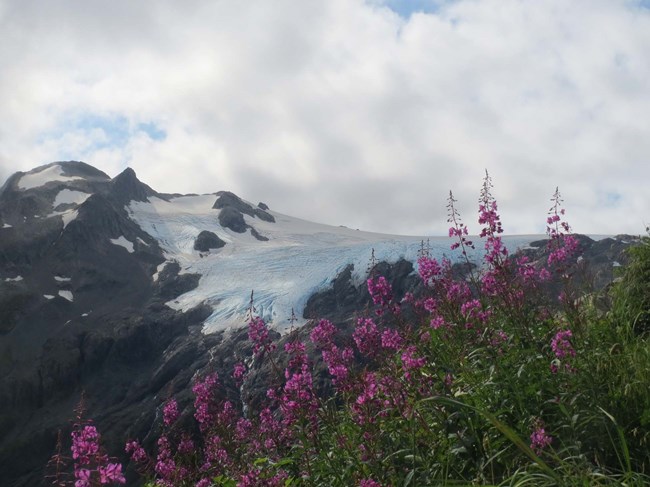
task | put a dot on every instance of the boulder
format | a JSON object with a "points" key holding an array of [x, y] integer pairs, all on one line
{"points": [[207, 240]]}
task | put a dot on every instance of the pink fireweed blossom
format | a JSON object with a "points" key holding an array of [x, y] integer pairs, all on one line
{"points": [[323, 334], [458, 228], [298, 398], [185, 445], [437, 322], [170, 412], [429, 269], [258, 333], [561, 246], [296, 350], [82, 477], [338, 364], [238, 373], [203, 391], [380, 291], [430, 304], [136, 451], [165, 464], [367, 337], [369, 483], [539, 439], [111, 473], [410, 361], [561, 345], [366, 404], [85, 444], [391, 339]]}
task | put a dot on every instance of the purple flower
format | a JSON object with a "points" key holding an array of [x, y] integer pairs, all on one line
{"points": [[203, 391], [391, 340], [561, 345], [369, 483], [138, 454], [366, 336], [111, 473], [258, 333], [539, 439], [380, 291], [238, 373], [428, 269], [170, 412], [322, 334]]}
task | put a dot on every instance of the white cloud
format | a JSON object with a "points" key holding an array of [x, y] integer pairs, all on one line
{"points": [[343, 111]]}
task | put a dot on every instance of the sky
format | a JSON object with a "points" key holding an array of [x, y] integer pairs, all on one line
{"points": [[363, 113]]}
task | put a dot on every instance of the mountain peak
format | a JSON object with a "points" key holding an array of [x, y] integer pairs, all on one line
{"points": [[127, 187]]}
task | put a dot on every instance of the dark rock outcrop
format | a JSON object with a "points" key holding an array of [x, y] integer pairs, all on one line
{"points": [[126, 187], [258, 236], [232, 218], [227, 199]]}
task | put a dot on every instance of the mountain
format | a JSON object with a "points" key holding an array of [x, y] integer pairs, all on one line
{"points": [[110, 288]]}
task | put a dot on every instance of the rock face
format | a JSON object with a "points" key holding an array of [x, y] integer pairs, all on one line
{"points": [[228, 199], [207, 240], [232, 218]]}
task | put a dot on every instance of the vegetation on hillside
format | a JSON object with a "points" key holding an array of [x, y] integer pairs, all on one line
{"points": [[487, 381]]}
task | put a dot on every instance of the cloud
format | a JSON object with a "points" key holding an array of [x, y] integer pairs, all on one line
{"points": [[346, 112]]}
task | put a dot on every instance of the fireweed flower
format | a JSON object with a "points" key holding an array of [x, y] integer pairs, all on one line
{"points": [[296, 351], [369, 483], [411, 362], [170, 412], [391, 339], [367, 337], [238, 373], [323, 334], [437, 322], [82, 477], [562, 246], [258, 333], [380, 291], [561, 345], [203, 391], [111, 473], [539, 439], [429, 269], [185, 445], [85, 443], [338, 363], [136, 451]]}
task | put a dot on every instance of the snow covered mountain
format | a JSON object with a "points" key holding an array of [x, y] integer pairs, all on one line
{"points": [[109, 287]]}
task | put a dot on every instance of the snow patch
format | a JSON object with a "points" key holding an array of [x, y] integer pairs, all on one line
{"points": [[44, 176], [66, 295], [48, 296], [123, 242], [68, 216], [6, 225], [62, 279], [159, 269], [14, 279], [68, 196]]}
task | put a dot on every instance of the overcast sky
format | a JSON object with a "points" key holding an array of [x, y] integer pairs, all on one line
{"points": [[347, 112]]}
